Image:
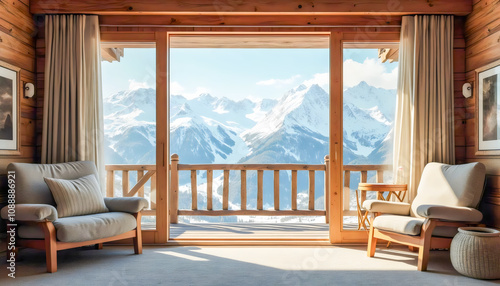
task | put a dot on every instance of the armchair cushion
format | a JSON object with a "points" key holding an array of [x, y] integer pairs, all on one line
{"points": [[96, 226], [400, 224], [450, 213], [32, 212], [378, 206], [128, 205], [77, 197], [83, 228], [451, 185]]}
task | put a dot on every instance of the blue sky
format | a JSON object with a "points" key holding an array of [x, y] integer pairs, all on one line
{"points": [[244, 73]]}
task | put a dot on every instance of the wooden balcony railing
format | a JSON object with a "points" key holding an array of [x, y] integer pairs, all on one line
{"points": [[363, 169], [243, 168], [145, 173]]}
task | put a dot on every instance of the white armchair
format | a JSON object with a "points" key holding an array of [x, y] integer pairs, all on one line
{"points": [[447, 198]]}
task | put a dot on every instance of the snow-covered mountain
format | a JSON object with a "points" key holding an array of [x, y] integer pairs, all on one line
{"points": [[208, 129], [368, 115], [130, 127], [292, 129]]}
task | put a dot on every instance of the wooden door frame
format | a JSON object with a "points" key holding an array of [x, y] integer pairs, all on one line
{"points": [[341, 235], [338, 36], [293, 32], [160, 234]]}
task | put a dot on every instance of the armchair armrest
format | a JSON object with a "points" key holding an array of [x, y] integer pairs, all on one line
{"points": [[450, 213], [31, 212], [127, 205], [378, 206]]}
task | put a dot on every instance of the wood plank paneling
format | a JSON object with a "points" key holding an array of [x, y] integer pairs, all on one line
{"points": [[482, 35], [17, 48]]}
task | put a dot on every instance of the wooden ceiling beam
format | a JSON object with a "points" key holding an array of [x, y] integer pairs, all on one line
{"points": [[255, 7], [246, 20]]}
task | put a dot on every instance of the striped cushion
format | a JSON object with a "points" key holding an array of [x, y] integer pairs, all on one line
{"points": [[77, 197]]}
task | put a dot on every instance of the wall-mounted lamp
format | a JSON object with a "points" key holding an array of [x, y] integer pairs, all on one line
{"points": [[467, 90], [29, 90]]}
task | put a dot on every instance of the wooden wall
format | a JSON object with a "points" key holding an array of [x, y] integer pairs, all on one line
{"points": [[482, 39], [17, 47]]}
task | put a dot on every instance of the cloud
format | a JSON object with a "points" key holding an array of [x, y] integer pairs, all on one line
{"points": [[278, 81], [176, 88], [321, 79], [133, 84], [372, 71]]}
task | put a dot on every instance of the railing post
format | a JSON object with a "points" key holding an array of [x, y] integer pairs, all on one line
{"points": [[311, 190], [174, 189], [225, 191], [125, 182], [210, 176], [243, 189], [327, 188], [276, 190], [194, 191], [260, 190], [380, 176], [364, 179], [294, 190], [140, 174], [110, 183]]}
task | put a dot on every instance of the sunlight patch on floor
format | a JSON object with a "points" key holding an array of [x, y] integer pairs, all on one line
{"points": [[306, 258], [182, 255]]}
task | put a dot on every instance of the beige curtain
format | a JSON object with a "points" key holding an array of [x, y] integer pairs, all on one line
{"points": [[423, 130], [73, 118]]}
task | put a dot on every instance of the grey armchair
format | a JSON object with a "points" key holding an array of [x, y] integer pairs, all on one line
{"points": [[40, 227], [447, 198]]}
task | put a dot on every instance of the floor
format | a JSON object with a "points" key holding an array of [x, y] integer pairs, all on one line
{"points": [[292, 231], [161, 265]]}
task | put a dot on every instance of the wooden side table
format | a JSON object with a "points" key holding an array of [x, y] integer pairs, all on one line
{"points": [[396, 190]]}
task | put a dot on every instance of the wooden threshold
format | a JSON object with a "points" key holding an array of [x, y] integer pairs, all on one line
{"points": [[193, 242]]}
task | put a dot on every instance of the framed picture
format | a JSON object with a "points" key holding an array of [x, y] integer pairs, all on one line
{"points": [[9, 109]]}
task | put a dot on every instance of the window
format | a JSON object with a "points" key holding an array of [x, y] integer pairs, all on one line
{"points": [[249, 99], [369, 100], [129, 95]]}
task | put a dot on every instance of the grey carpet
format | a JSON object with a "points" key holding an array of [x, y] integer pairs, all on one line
{"points": [[160, 265]]}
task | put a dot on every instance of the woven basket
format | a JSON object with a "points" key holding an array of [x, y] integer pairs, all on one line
{"points": [[475, 252]]}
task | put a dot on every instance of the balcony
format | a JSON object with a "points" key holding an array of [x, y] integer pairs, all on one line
{"points": [[140, 180]]}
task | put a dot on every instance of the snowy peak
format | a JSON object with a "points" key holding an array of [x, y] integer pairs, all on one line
{"points": [[302, 106], [365, 96]]}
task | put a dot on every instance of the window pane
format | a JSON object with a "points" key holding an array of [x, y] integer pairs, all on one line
{"points": [[369, 84], [247, 104], [129, 95]]}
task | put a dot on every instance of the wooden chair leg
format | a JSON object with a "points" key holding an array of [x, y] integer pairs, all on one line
{"points": [[50, 246], [424, 250], [372, 240], [138, 236], [366, 220]]}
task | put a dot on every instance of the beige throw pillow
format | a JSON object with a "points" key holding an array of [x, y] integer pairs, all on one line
{"points": [[77, 197]]}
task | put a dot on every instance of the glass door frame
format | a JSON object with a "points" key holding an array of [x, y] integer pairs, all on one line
{"points": [[337, 233], [338, 36]]}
